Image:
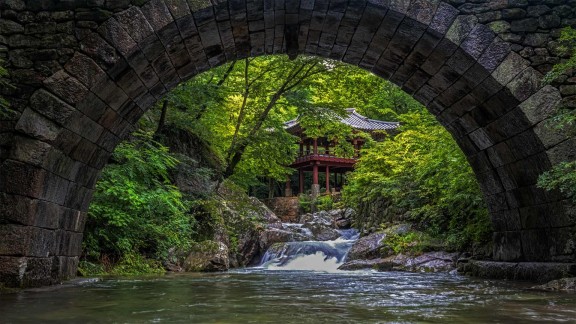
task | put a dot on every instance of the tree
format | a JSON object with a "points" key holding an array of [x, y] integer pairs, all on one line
{"points": [[136, 210], [424, 178], [240, 109]]}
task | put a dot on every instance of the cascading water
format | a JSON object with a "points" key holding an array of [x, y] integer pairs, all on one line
{"points": [[324, 256]]}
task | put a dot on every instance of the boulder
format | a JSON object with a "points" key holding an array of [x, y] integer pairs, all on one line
{"points": [[426, 262], [321, 231], [321, 217], [273, 235], [368, 247], [248, 249], [564, 284], [374, 264], [343, 223], [207, 256]]}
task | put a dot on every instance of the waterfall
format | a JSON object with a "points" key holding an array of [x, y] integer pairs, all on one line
{"points": [[324, 256]]}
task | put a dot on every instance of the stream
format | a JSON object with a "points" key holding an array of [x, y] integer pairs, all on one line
{"points": [[295, 283]]}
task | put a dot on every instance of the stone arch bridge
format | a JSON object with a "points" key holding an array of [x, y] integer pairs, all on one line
{"points": [[84, 71]]}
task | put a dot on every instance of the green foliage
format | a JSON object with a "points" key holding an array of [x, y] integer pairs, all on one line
{"points": [[410, 242], [135, 209], [305, 203], [422, 172], [562, 177], [324, 202], [567, 47]]}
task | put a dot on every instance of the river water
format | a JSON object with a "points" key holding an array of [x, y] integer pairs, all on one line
{"points": [[296, 283]]}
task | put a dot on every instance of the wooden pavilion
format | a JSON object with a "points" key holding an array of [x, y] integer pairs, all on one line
{"points": [[317, 154]]}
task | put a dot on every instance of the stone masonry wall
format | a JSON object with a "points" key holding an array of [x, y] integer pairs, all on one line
{"points": [[84, 71]]}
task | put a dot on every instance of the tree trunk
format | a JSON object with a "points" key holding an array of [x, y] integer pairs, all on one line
{"points": [[162, 120]]}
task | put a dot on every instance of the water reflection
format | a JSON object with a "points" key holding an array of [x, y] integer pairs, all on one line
{"points": [[261, 296]]}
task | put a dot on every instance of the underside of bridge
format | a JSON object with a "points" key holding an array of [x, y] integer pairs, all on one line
{"points": [[85, 71]]}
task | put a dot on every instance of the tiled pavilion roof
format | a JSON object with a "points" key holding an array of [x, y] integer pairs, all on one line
{"points": [[354, 120]]}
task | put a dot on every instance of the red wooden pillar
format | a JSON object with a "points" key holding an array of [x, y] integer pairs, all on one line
{"points": [[327, 179], [356, 150], [301, 178], [315, 174], [301, 148]]}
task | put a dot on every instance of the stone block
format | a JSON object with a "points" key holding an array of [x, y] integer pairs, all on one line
{"points": [[510, 68], [525, 144], [140, 64], [25, 272], [87, 176], [178, 8], [116, 35], [496, 202], [479, 39], [60, 164], [152, 47], [422, 11], [52, 107], [443, 79], [507, 246], [165, 70], [563, 152], [28, 150], [26, 211], [55, 188], [460, 28], [69, 243], [29, 241], [66, 87], [66, 141], [443, 18], [64, 268], [525, 84], [131, 84], [157, 14], [548, 134], [110, 93], [541, 105], [481, 138], [99, 50], [108, 141], [480, 162], [29, 181], [500, 154], [524, 25], [83, 151], [85, 70], [490, 182], [512, 123], [37, 126], [536, 245], [544, 216], [85, 126], [562, 247], [425, 94], [439, 56]]}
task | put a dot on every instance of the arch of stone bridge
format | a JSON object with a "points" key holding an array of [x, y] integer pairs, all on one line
{"points": [[486, 94]]}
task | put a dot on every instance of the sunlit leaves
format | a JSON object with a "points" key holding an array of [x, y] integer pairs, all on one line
{"points": [[135, 208], [423, 172]]}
